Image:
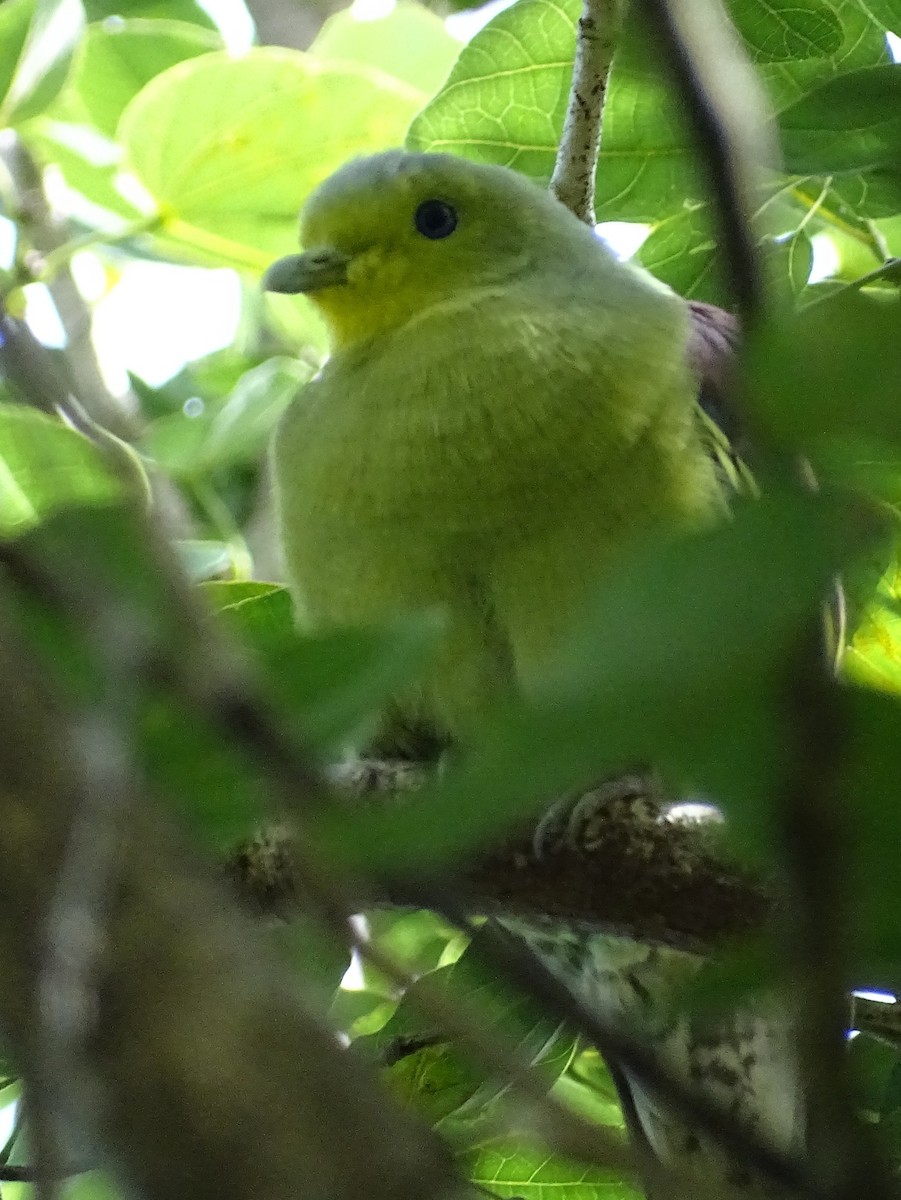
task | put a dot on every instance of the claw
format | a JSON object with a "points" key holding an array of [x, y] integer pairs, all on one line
{"points": [[575, 821]]}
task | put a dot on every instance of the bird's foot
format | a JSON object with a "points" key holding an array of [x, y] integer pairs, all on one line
{"points": [[365, 776], [576, 821]]}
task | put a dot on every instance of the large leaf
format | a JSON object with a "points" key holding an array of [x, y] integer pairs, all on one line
{"points": [[410, 42], [851, 123], [648, 166], [512, 1169], [229, 149], [118, 58], [505, 102], [505, 99], [37, 40]]}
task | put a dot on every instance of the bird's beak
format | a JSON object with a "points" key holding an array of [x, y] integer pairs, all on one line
{"points": [[308, 272]]}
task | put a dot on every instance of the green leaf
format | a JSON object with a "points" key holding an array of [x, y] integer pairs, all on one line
{"points": [[781, 31], [871, 193], [358, 1013], [513, 1169], [113, 11], [332, 686], [588, 1089], [851, 123], [827, 381], [241, 429], [410, 43], [118, 58], [438, 1083], [90, 166], [648, 166], [505, 99], [874, 656], [886, 12], [45, 466], [218, 144], [682, 251], [439, 1078], [421, 940], [37, 41]]}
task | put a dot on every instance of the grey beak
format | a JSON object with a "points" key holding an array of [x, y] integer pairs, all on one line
{"points": [[308, 272]]}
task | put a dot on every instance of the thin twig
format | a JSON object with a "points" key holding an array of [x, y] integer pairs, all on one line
{"points": [[577, 155], [28, 203]]}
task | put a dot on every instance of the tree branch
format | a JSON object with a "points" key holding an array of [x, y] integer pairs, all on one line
{"points": [[577, 155], [643, 876], [47, 233], [200, 1047]]}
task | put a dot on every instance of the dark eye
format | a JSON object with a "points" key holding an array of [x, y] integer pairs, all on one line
{"points": [[434, 219]]}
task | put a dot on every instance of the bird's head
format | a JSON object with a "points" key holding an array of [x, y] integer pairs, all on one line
{"points": [[389, 237]]}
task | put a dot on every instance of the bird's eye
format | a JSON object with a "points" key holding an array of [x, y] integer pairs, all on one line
{"points": [[434, 219]]}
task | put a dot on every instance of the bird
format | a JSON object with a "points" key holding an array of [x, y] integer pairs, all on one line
{"points": [[506, 406]]}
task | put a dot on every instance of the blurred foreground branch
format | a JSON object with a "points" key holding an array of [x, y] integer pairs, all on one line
{"points": [[199, 1070]]}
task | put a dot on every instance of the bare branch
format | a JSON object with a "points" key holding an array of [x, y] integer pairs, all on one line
{"points": [[47, 233], [577, 155]]}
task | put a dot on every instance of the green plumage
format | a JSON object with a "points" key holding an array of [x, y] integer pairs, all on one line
{"points": [[505, 407]]}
